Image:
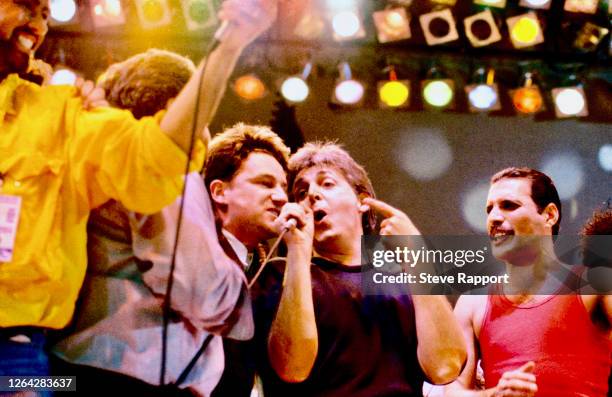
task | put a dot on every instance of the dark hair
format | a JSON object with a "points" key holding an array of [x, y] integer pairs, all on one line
{"points": [[229, 149], [543, 190], [597, 250], [144, 83], [333, 155]]}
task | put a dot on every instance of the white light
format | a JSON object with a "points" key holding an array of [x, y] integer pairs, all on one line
{"points": [[63, 77], [425, 155], [112, 7], [63, 10], [569, 101], [565, 169], [473, 207], [295, 89], [483, 97], [349, 92], [346, 24], [605, 157], [537, 3]]}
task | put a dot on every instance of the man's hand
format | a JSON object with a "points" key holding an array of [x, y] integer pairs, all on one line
{"points": [[92, 96], [248, 19], [518, 383], [396, 223], [300, 236]]}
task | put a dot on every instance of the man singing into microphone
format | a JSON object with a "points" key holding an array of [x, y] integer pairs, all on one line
{"points": [[359, 345]]}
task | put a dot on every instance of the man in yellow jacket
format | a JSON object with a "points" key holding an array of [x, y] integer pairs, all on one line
{"points": [[58, 161]]}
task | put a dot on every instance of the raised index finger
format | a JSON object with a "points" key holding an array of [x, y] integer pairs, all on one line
{"points": [[381, 207]]}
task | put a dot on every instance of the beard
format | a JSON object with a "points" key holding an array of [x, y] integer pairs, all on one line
{"points": [[12, 60]]}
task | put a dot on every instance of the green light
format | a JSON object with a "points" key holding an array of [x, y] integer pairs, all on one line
{"points": [[199, 12], [438, 93]]}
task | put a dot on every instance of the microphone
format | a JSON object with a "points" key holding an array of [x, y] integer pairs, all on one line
{"points": [[220, 34], [290, 224]]}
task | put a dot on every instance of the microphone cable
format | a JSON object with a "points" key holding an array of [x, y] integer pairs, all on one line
{"points": [[167, 306]]}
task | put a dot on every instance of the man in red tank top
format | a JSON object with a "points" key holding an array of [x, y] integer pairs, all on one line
{"points": [[532, 343]]}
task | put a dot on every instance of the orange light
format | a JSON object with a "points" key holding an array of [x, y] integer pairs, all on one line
{"points": [[249, 87], [527, 99]]}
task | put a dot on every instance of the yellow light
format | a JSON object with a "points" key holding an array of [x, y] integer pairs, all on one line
{"points": [[392, 25], [394, 93], [525, 31], [249, 87]]}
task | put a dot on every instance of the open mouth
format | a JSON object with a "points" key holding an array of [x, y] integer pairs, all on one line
{"points": [[274, 211], [25, 42], [498, 236], [318, 215]]}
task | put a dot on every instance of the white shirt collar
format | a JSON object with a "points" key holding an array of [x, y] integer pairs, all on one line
{"points": [[240, 249]]}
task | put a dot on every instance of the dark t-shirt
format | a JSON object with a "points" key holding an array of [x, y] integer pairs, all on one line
{"points": [[367, 343]]}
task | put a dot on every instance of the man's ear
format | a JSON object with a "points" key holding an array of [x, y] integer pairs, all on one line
{"points": [[217, 191], [551, 214]]}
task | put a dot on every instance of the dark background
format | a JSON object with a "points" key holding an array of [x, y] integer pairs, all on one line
{"points": [[464, 149]]}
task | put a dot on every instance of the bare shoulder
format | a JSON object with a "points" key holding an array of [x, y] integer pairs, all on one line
{"points": [[471, 308]]}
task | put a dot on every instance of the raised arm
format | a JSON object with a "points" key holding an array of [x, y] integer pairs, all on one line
{"points": [[441, 349], [248, 19], [293, 340]]}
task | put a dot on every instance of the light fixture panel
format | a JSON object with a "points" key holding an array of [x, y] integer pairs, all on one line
{"points": [[583, 6], [525, 30], [392, 25], [566, 99], [199, 14], [487, 17], [153, 13], [443, 16]]}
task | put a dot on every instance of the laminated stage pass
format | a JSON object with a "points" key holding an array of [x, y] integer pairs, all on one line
{"points": [[9, 219]]}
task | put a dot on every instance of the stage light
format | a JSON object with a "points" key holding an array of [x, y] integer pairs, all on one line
{"points": [[525, 30], [347, 91], [605, 157], [528, 98], [392, 25], [107, 13], [63, 76], [570, 102], [63, 12], [537, 4], [311, 26], [491, 3], [393, 92], [347, 25], [439, 27], [295, 89], [249, 87], [589, 37], [199, 14], [153, 13], [481, 29], [483, 97], [584, 6], [439, 93]]}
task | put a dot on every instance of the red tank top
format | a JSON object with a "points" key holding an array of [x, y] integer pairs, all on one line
{"points": [[572, 356]]}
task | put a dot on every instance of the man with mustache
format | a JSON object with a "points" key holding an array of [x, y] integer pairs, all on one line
{"points": [[360, 345], [58, 161], [532, 343]]}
